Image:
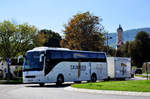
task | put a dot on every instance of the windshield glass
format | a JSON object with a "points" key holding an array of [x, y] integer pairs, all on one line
{"points": [[32, 61]]}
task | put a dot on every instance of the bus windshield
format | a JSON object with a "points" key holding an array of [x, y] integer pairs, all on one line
{"points": [[32, 61]]}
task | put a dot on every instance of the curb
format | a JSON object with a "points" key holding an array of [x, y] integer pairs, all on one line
{"points": [[126, 93]]}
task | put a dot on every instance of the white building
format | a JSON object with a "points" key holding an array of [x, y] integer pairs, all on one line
{"points": [[4, 69]]}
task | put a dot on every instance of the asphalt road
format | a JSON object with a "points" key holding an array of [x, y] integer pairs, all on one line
{"points": [[33, 91]]}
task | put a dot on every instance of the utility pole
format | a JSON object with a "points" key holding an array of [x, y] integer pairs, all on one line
{"points": [[147, 70], [107, 38], [8, 69]]}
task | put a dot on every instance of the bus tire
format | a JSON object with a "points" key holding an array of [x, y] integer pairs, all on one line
{"points": [[93, 77], [107, 79], [41, 84], [60, 80], [77, 82]]}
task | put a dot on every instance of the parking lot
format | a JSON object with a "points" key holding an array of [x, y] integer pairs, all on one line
{"points": [[33, 91]]}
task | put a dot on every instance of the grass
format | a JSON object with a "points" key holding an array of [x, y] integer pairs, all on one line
{"points": [[145, 73], [136, 86], [14, 81]]}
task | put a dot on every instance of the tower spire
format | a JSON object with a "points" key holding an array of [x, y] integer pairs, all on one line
{"points": [[119, 36], [120, 26]]}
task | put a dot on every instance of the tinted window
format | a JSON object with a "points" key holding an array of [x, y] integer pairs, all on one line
{"points": [[80, 55], [48, 54], [67, 55], [32, 61], [56, 55], [93, 55], [101, 55]]}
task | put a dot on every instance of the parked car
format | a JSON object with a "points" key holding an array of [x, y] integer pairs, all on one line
{"points": [[138, 71]]}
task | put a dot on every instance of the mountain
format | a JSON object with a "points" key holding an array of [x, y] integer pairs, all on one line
{"points": [[128, 35]]}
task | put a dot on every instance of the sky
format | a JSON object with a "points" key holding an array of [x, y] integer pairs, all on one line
{"points": [[53, 14]]}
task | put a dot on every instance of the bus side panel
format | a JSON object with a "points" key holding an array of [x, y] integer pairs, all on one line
{"points": [[71, 72], [67, 69], [100, 68], [84, 73]]}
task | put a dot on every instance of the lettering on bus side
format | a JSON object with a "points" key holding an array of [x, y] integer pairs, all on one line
{"points": [[82, 67]]}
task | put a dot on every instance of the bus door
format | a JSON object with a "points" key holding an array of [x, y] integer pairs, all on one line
{"points": [[83, 71]]}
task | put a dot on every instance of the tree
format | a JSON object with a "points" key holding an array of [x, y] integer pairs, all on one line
{"points": [[47, 38], [111, 51], [39, 40], [133, 52], [15, 40], [138, 49], [83, 32], [51, 38], [123, 51]]}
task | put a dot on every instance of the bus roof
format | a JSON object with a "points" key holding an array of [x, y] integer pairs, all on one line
{"points": [[46, 48], [59, 49]]}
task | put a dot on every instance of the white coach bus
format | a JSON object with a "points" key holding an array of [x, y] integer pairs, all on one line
{"points": [[57, 65]]}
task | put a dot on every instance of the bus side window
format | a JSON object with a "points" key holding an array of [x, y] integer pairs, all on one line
{"points": [[92, 55], [48, 54], [67, 55], [47, 62], [86, 55], [57, 55], [79, 55], [101, 55], [48, 66]]}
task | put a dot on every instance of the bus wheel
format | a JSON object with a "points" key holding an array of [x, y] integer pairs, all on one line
{"points": [[41, 84], [93, 77], [60, 80], [77, 81]]}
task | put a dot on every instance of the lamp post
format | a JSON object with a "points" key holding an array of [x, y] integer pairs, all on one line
{"points": [[147, 70], [107, 38], [8, 69]]}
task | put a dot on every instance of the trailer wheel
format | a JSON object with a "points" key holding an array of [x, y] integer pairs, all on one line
{"points": [[93, 77], [60, 80]]}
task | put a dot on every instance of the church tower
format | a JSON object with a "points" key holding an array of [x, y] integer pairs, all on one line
{"points": [[119, 37]]}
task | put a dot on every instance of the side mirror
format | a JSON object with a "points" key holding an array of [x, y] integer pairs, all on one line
{"points": [[24, 56], [41, 57], [19, 57]]}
